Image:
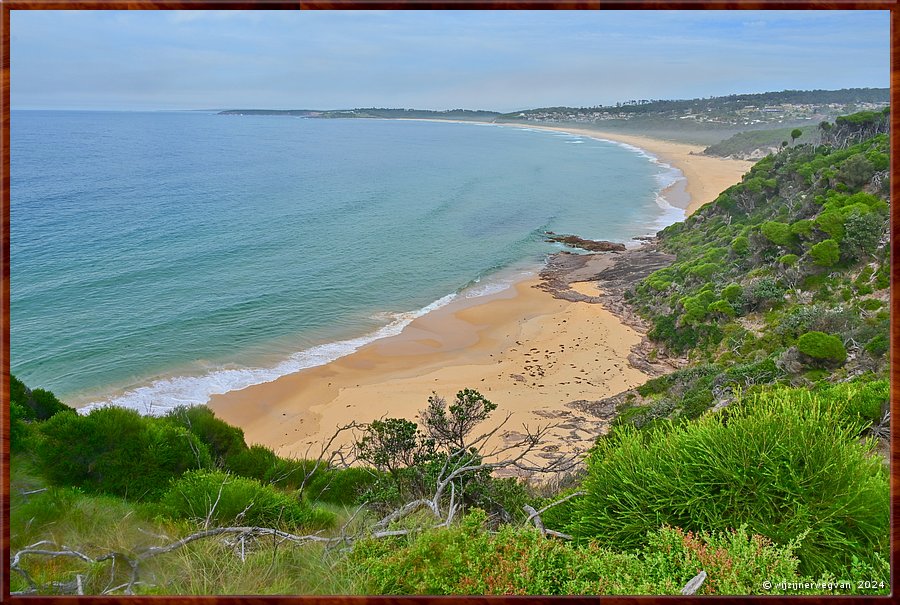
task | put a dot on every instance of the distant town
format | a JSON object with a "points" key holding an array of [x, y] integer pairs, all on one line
{"points": [[753, 111], [735, 112]]}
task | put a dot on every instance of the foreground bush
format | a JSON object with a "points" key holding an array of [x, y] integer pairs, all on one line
{"points": [[116, 451], [518, 560], [230, 500], [786, 464], [821, 346], [37, 404], [340, 486]]}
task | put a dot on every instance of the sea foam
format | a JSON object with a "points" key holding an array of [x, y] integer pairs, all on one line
{"points": [[161, 396]]}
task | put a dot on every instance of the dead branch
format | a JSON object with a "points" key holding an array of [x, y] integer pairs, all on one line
{"points": [[135, 560], [538, 513], [32, 491], [534, 516], [694, 584]]}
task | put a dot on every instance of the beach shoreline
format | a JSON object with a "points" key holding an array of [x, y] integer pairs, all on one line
{"points": [[540, 350], [542, 354], [705, 177]]}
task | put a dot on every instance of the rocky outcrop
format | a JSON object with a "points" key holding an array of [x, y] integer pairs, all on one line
{"points": [[614, 274], [585, 244]]}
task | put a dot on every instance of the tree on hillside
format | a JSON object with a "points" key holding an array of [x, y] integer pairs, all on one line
{"points": [[446, 465], [795, 134]]}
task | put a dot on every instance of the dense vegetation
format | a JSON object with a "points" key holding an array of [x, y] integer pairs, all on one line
{"points": [[755, 462], [754, 144], [782, 279]]}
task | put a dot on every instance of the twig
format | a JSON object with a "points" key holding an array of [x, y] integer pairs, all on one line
{"points": [[538, 513], [33, 491]]}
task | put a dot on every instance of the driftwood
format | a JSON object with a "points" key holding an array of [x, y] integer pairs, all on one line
{"points": [[694, 584], [134, 560], [534, 516]]}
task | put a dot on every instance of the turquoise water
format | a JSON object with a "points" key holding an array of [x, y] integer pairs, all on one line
{"points": [[160, 257]]}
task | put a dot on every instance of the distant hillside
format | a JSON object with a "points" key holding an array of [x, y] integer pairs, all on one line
{"points": [[753, 110], [757, 144], [697, 121], [303, 113]]}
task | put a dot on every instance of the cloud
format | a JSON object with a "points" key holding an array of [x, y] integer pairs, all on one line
{"points": [[491, 59]]}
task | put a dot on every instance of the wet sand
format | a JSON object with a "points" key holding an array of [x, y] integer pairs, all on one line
{"points": [[528, 352]]}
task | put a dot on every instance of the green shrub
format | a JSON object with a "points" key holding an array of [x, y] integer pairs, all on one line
{"points": [[864, 233], [19, 431], [740, 245], [832, 223], [870, 304], [695, 307], [864, 289], [777, 233], [860, 402], [883, 277], [677, 338], [754, 372], [802, 228], [788, 259], [826, 253], [289, 473], [763, 293], [116, 451], [705, 270], [723, 307], [878, 346], [732, 292], [856, 171], [784, 463], [36, 404], [341, 486], [222, 439], [255, 462], [234, 499], [821, 346]]}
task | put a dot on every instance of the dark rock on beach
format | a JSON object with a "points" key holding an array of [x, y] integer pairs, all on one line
{"points": [[585, 244]]}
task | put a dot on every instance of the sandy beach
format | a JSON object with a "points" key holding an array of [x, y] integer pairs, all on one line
{"points": [[540, 357]]}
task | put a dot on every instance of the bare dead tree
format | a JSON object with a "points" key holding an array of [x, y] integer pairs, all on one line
{"points": [[326, 458], [473, 458]]}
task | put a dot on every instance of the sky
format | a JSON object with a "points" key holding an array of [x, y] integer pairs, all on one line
{"points": [[496, 60]]}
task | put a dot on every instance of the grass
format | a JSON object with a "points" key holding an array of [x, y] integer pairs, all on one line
{"points": [[98, 524], [786, 463]]}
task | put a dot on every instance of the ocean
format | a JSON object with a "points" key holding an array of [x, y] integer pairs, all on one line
{"points": [[161, 257]]}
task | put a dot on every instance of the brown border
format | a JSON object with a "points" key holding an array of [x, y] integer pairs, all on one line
{"points": [[7, 5]]}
